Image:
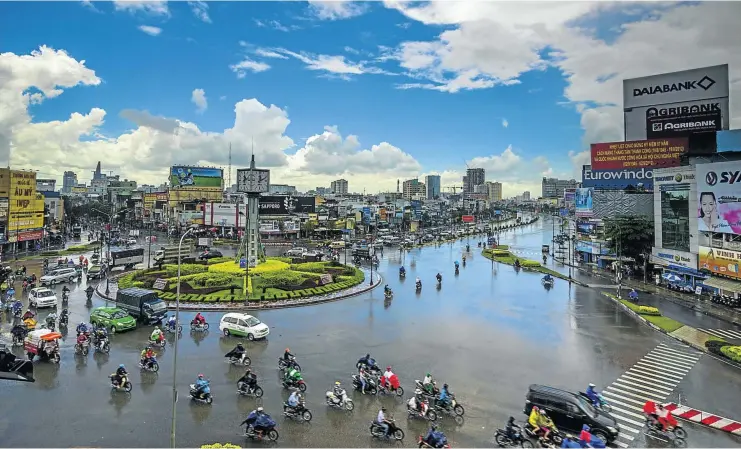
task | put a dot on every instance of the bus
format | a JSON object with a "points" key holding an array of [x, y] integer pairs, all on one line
{"points": [[126, 257]]}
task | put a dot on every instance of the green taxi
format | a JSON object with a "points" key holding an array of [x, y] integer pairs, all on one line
{"points": [[113, 319]]}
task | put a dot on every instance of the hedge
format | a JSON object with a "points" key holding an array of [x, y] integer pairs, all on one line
{"points": [[311, 267], [232, 267], [205, 279], [715, 346], [126, 281], [185, 269]]}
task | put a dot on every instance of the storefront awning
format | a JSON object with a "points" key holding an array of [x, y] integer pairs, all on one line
{"points": [[723, 284], [684, 270]]}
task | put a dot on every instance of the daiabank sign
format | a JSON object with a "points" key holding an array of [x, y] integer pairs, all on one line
{"points": [[617, 179]]}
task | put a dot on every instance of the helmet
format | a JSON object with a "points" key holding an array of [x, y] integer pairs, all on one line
{"points": [[259, 409], [542, 412], [239, 345], [388, 368], [288, 350], [429, 375], [337, 384], [535, 407], [433, 426], [592, 385], [156, 328], [383, 409], [417, 391], [445, 386], [200, 376], [367, 356]]}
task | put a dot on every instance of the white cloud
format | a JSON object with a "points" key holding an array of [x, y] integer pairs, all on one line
{"points": [[336, 9], [579, 159], [505, 123], [154, 143], [335, 65], [200, 10], [198, 97], [248, 65], [269, 54], [150, 30], [154, 7], [274, 24]]}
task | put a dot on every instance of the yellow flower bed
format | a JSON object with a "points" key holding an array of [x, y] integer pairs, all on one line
{"points": [[233, 267], [220, 446]]}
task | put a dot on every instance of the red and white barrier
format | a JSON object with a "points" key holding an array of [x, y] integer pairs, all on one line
{"points": [[704, 418]]}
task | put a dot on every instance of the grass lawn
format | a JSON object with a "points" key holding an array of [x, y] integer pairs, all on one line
{"points": [[662, 322], [527, 264]]}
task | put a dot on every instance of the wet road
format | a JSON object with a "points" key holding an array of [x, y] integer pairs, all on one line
{"points": [[489, 333]]}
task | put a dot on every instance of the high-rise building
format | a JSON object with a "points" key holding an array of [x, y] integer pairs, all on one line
{"points": [[494, 191], [97, 174], [526, 195], [474, 177], [339, 187], [412, 188], [433, 186], [69, 180], [553, 188]]}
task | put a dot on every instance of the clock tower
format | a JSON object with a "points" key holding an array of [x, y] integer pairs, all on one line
{"points": [[253, 182]]}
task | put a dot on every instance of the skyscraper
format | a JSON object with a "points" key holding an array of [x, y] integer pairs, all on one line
{"points": [[69, 180], [97, 173], [433, 186], [339, 187], [474, 177]]}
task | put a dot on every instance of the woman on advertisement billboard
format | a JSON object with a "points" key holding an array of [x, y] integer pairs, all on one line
{"points": [[710, 219]]}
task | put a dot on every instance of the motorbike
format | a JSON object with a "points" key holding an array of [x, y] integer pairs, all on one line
{"points": [[206, 398], [152, 365], [675, 436], [428, 413], [50, 323], [422, 443], [172, 327], [158, 343], [102, 345], [519, 439], [242, 360], [82, 348], [457, 271], [63, 320], [452, 407], [370, 386], [270, 433], [418, 287], [387, 389], [244, 390], [439, 284], [290, 383], [198, 327], [123, 386], [602, 405], [297, 412], [402, 274], [394, 432], [343, 402], [65, 296], [283, 364], [555, 436], [388, 294], [435, 390], [547, 282], [17, 313]]}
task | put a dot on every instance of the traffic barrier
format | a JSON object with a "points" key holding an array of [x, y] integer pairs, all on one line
{"points": [[704, 418]]}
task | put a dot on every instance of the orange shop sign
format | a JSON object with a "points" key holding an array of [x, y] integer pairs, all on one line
{"points": [[720, 261]]}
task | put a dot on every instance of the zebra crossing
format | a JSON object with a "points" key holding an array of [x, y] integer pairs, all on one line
{"points": [[726, 334], [653, 378]]}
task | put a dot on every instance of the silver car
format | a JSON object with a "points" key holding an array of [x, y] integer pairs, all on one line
{"points": [[59, 275]]}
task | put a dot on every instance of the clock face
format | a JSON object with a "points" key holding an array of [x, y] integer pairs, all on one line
{"points": [[256, 181]]}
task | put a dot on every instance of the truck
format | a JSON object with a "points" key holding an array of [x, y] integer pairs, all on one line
{"points": [[126, 257], [142, 304], [169, 254], [76, 232]]}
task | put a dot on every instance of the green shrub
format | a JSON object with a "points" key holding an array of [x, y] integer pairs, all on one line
{"points": [[311, 267], [646, 310], [529, 263], [139, 284], [281, 259], [285, 279], [715, 345], [185, 269], [732, 352], [208, 279], [216, 260], [126, 281]]}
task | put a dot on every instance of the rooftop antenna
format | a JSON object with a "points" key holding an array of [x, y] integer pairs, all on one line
{"points": [[252, 161], [229, 173]]}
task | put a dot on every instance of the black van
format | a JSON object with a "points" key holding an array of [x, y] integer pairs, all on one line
{"points": [[570, 411]]}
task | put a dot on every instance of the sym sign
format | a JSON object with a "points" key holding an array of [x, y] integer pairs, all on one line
{"points": [[719, 197], [616, 179], [688, 97]]}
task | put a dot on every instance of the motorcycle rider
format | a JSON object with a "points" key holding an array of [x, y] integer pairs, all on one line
{"points": [[82, 338], [439, 278], [444, 399], [65, 293], [89, 291], [252, 417], [238, 353], [249, 379], [64, 316], [464, 260], [51, 319], [593, 395], [147, 357], [101, 335], [649, 410], [666, 419], [292, 376], [548, 278], [28, 315], [120, 377], [339, 392], [456, 265], [82, 328], [428, 383], [156, 335], [512, 429], [202, 386], [434, 437], [417, 403], [402, 271], [633, 295], [288, 358], [199, 320], [545, 424], [387, 375], [517, 263], [532, 420], [293, 401], [171, 322], [368, 362], [383, 422], [418, 283]]}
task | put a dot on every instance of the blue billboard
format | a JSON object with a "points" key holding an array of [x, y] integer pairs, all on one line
{"points": [[417, 209], [617, 179], [366, 215], [728, 140]]}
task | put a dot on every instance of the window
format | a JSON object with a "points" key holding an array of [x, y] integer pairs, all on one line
{"points": [[252, 321], [230, 320], [241, 323], [675, 217]]}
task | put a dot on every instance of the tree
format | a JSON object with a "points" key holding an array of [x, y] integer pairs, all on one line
{"points": [[633, 236]]}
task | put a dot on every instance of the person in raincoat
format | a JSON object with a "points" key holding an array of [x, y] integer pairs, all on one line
{"points": [[293, 376]]}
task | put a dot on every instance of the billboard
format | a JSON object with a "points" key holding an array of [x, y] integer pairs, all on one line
{"points": [[683, 95], [284, 205], [670, 257], [467, 218], [637, 154], [719, 261], [78, 189], [4, 210], [568, 194], [200, 177], [583, 202], [586, 227], [719, 197], [616, 179], [224, 214], [417, 209], [728, 140]]}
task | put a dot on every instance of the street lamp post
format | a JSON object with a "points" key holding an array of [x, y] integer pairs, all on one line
{"points": [[175, 348]]}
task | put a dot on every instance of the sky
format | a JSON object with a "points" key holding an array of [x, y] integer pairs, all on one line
{"points": [[372, 92]]}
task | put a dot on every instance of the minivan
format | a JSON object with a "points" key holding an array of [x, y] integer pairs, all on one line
{"points": [[570, 411], [243, 325], [59, 275]]}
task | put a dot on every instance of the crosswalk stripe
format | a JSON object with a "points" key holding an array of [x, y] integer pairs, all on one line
{"points": [[651, 378], [680, 351], [620, 444], [660, 360], [632, 421], [626, 412], [619, 384], [660, 375], [713, 332], [661, 369], [623, 398], [672, 356], [630, 393], [626, 436], [642, 383], [724, 333]]}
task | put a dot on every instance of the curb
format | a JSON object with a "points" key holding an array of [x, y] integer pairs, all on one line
{"points": [[267, 306], [572, 280], [707, 419]]}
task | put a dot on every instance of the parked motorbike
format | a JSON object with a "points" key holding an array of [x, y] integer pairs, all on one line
{"points": [[123, 386], [343, 402]]}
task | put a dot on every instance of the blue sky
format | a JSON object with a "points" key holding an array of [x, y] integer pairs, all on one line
{"points": [[191, 46]]}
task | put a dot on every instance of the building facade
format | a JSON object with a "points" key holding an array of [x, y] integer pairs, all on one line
{"points": [[474, 177], [554, 188], [412, 188], [494, 191], [69, 180], [281, 189], [339, 187], [433, 186]]}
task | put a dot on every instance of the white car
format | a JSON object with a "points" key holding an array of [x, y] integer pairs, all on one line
{"points": [[243, 325], [59, 275], [42, 297]]}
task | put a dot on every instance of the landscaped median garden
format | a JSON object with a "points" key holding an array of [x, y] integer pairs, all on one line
{"points": [[222, 280], [651, 314], [502, 254], [723, 349]]}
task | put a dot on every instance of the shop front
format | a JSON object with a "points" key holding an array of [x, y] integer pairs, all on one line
{"points": [[676, 268], [592, 252], [723, 264]]}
